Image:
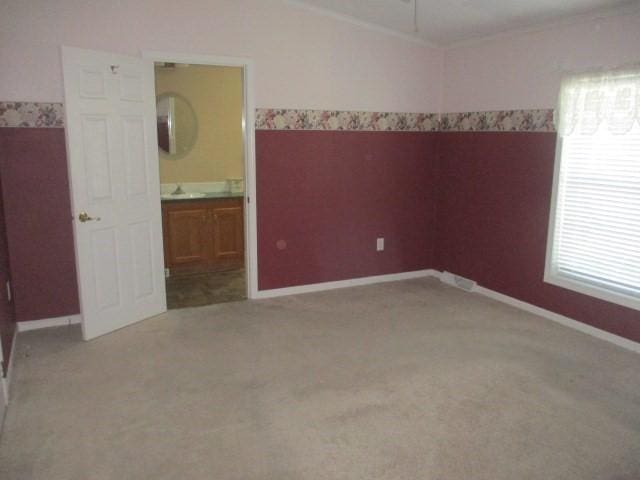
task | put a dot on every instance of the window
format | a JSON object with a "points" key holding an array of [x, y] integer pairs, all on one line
{"points": [[594, 228]]}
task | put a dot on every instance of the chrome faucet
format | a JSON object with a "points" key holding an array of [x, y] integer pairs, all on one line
{"points": [[178, 190]]}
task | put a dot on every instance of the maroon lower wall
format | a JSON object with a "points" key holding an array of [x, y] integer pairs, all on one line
{"points": [[328, 195], [494, 193], [324, 197], [35, 188], [7, 313]]}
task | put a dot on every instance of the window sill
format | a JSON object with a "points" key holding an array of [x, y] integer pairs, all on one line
{"points": [[592, 290]]}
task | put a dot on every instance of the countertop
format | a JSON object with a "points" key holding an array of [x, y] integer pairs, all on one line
{"points": [[206, 196]]}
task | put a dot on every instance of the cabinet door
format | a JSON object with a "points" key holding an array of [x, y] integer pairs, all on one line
{"points": [[188, 236], [228, 234]]}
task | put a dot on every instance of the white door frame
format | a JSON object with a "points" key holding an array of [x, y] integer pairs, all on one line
{"points": [[249, 136]]}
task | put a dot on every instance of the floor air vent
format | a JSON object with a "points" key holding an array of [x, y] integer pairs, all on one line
{"points": [[458, 281]]}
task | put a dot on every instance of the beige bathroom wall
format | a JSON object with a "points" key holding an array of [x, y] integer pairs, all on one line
{"points": [[216, 96]]}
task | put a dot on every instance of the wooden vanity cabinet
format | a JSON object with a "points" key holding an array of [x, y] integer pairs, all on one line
{"points": [[187, 234], [228, 233], [203, 235]]}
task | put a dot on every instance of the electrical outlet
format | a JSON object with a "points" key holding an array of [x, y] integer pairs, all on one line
{"points": [[167, 273], [380, 244]]}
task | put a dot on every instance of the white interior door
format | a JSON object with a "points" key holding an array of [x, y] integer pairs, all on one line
{"points": [[112, 154]]}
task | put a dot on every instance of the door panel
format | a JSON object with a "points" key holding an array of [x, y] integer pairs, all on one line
{"points": [[96, 157], [92, 83], [131, 84], [105, 267], [136, 159], [113, 167], [142, 241]]}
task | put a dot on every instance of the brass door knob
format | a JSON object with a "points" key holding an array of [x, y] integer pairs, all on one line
{"points": [[84, 217]]}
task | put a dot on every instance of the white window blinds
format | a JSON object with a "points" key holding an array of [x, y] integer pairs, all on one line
{"points": [[595, 225]]}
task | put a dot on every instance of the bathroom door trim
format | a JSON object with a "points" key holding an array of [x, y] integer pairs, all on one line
{"points": [[248, 124]]}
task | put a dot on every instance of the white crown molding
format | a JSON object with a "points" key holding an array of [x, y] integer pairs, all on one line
{"points": [[627, 9], [362, 23]]}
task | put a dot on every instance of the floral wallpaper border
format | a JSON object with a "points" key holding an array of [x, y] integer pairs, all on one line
{"points": [[499, 121], [51, 115], [495, 121], [31, 114], [283, 119]]}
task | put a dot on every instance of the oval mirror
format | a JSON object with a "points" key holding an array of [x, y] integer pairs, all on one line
{"points": [[177, 125]]}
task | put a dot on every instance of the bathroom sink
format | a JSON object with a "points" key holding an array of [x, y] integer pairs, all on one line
{"points": [[182, 196]]}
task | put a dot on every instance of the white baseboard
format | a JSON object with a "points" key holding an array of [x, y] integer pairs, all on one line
{"points": [[12, 361], [354, 282], [48, 322], [561, 319], [5, 383], [556, 317], [4, 402]]}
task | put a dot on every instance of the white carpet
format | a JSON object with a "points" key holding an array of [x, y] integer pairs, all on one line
{"points": [[400, 381]]}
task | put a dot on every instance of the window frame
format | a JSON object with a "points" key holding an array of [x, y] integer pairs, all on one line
{"points": [[552, 275]]}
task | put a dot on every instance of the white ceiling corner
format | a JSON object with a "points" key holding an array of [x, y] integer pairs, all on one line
{"points": [[448, 22]]}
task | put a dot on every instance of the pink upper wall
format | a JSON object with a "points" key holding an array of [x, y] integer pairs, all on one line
{"points": [[303, 60], [306, 60], [524, 71]]}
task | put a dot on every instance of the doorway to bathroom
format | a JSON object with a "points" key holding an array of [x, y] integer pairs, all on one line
{"points": [[203, 154]]}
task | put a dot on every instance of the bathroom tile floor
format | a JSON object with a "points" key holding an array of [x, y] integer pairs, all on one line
{"points": [[205, 288]]}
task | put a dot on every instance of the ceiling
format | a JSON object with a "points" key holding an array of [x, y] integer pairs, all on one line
{"points": [[445, 22]]}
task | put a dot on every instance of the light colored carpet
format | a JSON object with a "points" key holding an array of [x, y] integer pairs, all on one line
{"points": [[403, 381]]}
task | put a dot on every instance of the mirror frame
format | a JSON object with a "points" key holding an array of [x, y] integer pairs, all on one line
{"points": [[177, 156]]}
